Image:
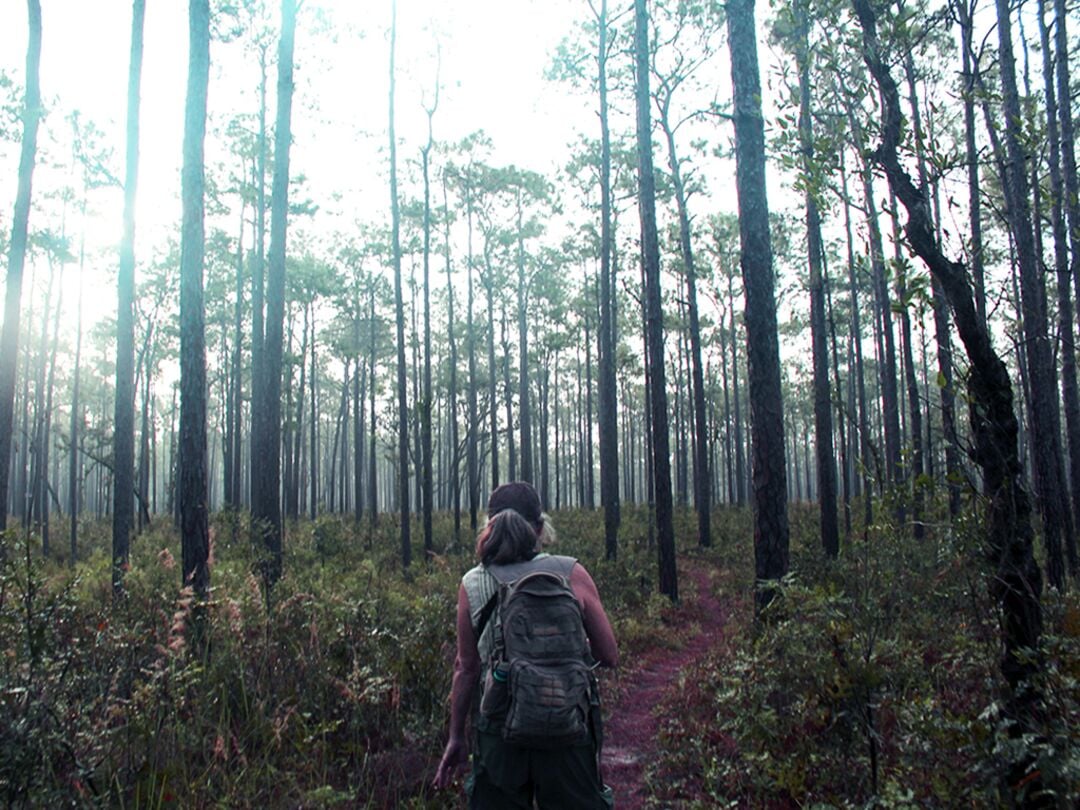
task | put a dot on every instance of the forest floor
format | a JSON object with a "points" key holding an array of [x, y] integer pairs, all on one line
{"points": [[632, 725]]}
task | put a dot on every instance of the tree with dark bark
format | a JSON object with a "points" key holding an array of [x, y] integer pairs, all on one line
{"points": [[124, 408], [194, 510], [399, 309], [766, 399], [266, 432], [1057, 521], [9, 337], [661, 459], [1017, 582]]}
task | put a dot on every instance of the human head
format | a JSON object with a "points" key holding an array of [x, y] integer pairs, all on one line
{"points": [[520, 496], [503, 540], [507, 538]]}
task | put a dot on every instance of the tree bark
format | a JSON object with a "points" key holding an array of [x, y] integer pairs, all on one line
{"points": [[399, 309], [1057, 521], [609, 432], [1017, 583], [668, 576], [266, 475], [194, 529], [766, 399], [9, 337], [823, 429]]}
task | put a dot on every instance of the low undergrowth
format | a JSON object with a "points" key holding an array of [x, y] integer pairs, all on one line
{"points": [[328, 692], [871, 681]]}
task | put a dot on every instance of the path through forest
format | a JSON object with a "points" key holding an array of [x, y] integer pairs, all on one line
{"points": [[631, 730]]}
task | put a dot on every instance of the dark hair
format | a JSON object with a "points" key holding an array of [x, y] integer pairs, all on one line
{"points": [[507, 538], [522, 497]]}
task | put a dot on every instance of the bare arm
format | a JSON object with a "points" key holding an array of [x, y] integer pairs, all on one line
{"points": [[597, 627], [466, 675]]}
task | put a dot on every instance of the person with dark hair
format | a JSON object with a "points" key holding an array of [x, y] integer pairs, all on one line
{"points": [[521, 755]]}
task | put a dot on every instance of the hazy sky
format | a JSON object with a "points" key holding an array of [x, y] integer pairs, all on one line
{"points": [[493, 54]]}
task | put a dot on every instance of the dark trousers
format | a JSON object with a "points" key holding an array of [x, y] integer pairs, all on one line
{"points": [[506, 777]]}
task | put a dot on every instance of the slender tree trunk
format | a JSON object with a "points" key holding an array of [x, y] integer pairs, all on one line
{"points": [[266, 474], [1045, 421], [609, 438], [472, 472], [455, 465], [668, 576], [1066, 330], [399, 308], [123, 416], [373, 489], [74, 506], [194, 529], [493, 396], [9, 338], [259, 436], [766, 400], [823, 429], [702, 501], [524, 409]]}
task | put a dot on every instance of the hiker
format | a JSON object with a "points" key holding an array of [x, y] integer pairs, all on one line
{"points": [[551, 753]]}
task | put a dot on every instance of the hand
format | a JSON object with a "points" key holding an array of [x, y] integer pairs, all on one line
{"points": [[453, 760]]}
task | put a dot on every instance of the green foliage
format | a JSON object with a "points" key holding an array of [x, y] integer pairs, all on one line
{"points": [[329, 692], [871, 681]]}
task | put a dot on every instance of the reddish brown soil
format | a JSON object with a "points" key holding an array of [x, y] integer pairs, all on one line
{"points": [[630, 736]]}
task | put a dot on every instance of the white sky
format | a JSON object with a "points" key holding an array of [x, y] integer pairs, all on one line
{"points": [[493, 55]]}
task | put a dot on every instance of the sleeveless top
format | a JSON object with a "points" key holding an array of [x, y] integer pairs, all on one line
{"points": [[480, 586]]}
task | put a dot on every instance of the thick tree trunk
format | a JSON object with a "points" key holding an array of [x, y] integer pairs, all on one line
{"points": [[766, 399], [669, 584], [194, 529], [9, 337]]}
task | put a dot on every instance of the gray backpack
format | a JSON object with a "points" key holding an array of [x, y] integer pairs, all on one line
{"points": [[538, 688]]}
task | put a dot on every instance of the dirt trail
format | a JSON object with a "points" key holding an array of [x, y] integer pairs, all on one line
{"points": [[631, 727]]}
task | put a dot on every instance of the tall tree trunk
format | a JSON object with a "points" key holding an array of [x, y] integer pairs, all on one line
{"points": [[472, 472], [236, 400], [508, 392], [766, 399], [488, 281], [258, 289], [74, 506], [702, 502], [373, 489], [123, 414], [1045, 421], [740, 452], [965, 11], [399, 309], [266, 473], [823, 438], [1070, 395], [524, 409], [194, 529], [427, 474], [1017, 583], [455, 465], [609, 438], [668, 576], [9, 338]]}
